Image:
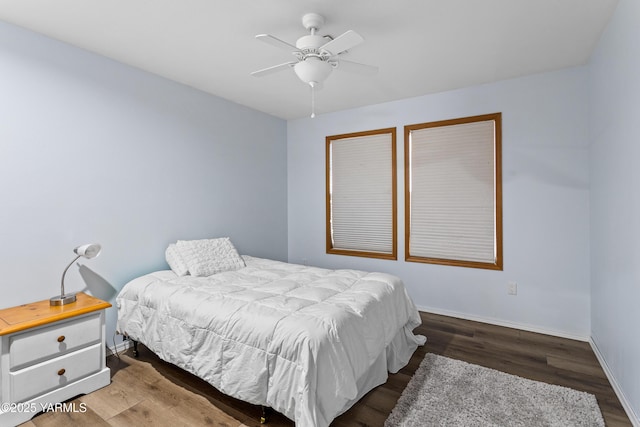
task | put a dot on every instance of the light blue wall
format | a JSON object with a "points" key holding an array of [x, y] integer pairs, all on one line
{"points": [[545, 201], [615, 199], [95, 151]]}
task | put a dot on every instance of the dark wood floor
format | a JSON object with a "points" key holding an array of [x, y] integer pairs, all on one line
{"points": [[148, 391]]}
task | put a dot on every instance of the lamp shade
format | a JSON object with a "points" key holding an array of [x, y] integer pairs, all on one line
{"points": [[312, 70], [88, 251]]}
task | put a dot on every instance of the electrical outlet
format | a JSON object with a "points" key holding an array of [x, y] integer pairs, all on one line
{"points": [[512, 288]]}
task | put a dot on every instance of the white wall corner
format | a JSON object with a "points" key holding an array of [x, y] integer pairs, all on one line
{"points": [[633, 417]]}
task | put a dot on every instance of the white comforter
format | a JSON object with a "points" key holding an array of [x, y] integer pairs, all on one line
{"points": [[305, 341]]}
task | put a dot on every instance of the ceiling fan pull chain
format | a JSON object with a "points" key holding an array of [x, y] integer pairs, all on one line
{"points": [[313, 99]]}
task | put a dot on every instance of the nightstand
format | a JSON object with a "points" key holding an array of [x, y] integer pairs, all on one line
{"points": [[49, 355]]}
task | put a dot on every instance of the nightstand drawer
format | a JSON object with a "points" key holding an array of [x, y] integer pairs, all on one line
{"points": [[55, 340], [55, 373]]}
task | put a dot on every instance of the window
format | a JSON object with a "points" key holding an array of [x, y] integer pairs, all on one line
{"points": [[453, 192], [361, 194]]}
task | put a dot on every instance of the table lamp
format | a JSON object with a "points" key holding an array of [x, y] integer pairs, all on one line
{"points": [[88, 251]]}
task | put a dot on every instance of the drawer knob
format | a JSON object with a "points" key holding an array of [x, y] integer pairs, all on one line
{"points": [[61, 372], [61, 338]]}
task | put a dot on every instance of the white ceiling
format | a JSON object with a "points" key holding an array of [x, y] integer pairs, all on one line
{"points": [[420, 46]]}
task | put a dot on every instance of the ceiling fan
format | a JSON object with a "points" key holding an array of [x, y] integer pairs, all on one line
{"points": [[315, 55]]}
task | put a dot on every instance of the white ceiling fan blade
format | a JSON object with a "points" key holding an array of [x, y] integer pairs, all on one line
{"points": [[356, 67], [274, 69], [343, 42], [274, 41]]}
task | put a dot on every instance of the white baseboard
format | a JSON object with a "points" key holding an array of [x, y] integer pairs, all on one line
{"points": [[633, 417], [505, 323], [119, 348]]}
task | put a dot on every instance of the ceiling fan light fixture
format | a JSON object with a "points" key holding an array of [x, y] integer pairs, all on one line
{"points": [[313, 70]]}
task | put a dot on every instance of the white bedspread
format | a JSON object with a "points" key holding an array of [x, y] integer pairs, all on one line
{"points": [[302, 340]]}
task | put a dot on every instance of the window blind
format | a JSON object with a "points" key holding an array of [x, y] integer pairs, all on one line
{"points": [[362, 193], [452, 193]]}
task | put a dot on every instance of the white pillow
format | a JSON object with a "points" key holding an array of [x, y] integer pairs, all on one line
{"points": [[209, 256], [175, 260]]}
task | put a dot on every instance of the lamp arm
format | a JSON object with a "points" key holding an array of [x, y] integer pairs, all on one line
{"points": [[65, 272]]}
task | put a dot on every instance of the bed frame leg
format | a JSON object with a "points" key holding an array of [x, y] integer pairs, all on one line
{"points": [[135, 348], [266, 411]]}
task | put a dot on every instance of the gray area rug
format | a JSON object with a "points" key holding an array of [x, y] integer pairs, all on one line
{"points": [[448, 392]]}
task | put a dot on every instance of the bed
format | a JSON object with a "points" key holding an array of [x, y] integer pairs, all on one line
{"points": [[305, 341]]}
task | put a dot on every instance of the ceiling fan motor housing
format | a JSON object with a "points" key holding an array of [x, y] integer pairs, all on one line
{"points": [[311, 42]]}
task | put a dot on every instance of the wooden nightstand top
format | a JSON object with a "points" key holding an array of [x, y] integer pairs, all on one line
{"points": [[27, 316]]}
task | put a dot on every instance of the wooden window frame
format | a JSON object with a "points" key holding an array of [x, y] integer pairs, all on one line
{"points": [[498, 264], [393, 255]]}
